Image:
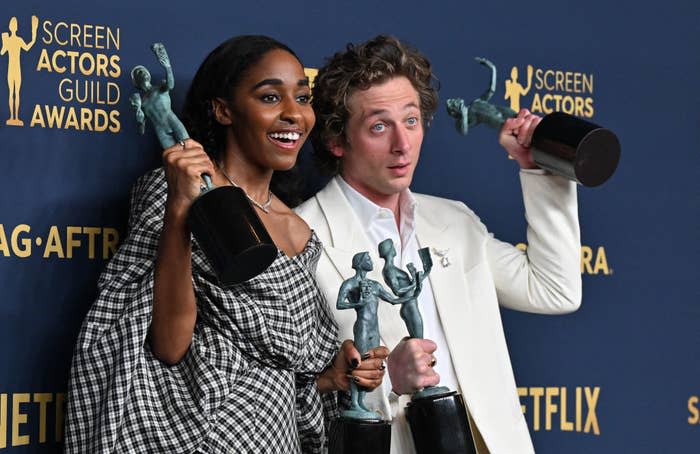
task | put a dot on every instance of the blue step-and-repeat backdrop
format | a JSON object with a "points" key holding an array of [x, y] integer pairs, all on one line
{"points": [[620, 375]]}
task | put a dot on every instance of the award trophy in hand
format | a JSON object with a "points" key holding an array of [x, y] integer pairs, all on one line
{"points": [[360, 430], [562, 144], [222, 220], [437, 415]]}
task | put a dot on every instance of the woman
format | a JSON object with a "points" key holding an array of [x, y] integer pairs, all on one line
{"points": [[168, 361]]}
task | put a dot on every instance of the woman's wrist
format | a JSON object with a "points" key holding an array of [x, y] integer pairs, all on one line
{"points": [[326, 382]]}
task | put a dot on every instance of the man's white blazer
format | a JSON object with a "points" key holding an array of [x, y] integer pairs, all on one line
{"points": [[483, 273]]}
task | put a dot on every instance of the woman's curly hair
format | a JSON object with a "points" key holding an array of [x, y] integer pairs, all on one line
{"points": [[360, 67]]}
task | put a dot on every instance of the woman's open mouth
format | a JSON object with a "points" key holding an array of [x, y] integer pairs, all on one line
{"points": [[287, 139]]}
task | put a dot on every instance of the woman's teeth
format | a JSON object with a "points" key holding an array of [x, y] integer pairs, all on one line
{"points": [[285, 135]]}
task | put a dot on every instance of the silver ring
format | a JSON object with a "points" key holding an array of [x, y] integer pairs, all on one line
{"points": [[182, 142]]}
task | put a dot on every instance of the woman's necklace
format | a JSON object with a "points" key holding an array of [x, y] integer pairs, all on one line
{"points": [[264, 206]]}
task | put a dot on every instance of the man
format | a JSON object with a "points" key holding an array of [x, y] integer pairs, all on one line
{"points": [[373, 102]]}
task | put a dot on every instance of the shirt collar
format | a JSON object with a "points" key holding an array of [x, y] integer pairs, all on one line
{"points": [[369, 212]]}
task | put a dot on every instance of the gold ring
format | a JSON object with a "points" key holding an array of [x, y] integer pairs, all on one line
{"points": [[433, 362]]}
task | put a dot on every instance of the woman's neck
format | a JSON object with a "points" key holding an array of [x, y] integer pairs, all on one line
{"points": [[252, 179]]}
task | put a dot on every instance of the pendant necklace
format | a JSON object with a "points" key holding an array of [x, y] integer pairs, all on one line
{"points": [[263, 206]]}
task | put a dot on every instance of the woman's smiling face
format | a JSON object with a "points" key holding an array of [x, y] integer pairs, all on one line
{"points": [[270, 114]]}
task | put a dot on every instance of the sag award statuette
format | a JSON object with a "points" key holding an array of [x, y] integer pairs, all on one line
{"points": [[360, 430], [222, 220], [562, 144], [437, 416]]}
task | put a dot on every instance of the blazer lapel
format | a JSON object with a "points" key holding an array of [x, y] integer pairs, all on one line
{"points": [[346, 235], [447, 283]]}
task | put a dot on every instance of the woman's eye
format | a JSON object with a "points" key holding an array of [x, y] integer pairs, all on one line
{"points": [[303, 99], [379, 127], [269, 98]]}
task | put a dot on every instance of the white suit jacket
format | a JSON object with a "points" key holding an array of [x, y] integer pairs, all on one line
{"points": [[484, 272]]}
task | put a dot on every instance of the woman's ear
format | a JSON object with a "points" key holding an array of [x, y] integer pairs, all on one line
{"points": [[221, 111]]}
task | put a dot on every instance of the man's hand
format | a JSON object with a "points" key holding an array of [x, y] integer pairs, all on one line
{"points": [[409, 366], [516, 137]]}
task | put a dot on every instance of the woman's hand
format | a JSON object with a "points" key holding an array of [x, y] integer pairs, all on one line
{"points": [[184, 166], [366, 371]]}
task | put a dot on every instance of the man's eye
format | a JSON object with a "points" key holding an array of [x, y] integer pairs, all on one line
{"points": [[269, 98], [413, 121], [379, 127]]}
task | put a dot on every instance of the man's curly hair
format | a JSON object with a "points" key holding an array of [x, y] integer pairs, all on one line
{"points": [[360, 67]]}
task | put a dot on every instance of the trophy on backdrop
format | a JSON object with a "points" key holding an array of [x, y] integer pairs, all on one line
{"points": [[221, 219], [562, 144]]}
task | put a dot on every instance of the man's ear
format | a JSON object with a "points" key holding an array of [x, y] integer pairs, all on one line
{"points": [[337, 148], [221, 111]]}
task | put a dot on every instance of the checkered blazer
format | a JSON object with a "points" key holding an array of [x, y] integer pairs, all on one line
{"points": [[247, 383]]}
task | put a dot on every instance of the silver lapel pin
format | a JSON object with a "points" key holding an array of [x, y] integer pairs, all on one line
{"points": [[444, 258]]}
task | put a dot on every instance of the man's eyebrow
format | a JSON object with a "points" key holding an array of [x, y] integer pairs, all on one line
{"points": [[375, 112], [301, 82]]}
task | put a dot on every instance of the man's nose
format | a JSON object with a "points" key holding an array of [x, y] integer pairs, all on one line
{"points": [[401, 143]]}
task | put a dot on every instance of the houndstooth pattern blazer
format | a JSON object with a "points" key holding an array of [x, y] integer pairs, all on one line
{"points": [[247, 383]]}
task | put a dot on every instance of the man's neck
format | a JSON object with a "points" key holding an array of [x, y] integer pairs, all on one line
{"points": [[391, 201]]}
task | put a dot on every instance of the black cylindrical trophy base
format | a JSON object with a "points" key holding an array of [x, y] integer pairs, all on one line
{"points": [[355, 436], [576, 149], [230, 233], [439, 425]]}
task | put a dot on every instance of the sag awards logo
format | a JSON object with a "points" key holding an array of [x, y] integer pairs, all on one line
{"points": [[550, 90], [59, 242], [82, 60]]}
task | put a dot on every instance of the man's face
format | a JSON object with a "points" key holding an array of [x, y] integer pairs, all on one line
{"points": [[384, 135]]}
